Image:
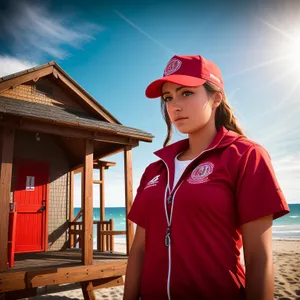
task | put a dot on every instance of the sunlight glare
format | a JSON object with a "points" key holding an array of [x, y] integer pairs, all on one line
{"points": [[295, 53]]}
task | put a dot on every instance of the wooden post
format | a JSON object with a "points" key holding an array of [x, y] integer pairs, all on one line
{"points": [[87, 290], [104, 237], [6, 151], [81, 244], [98, 236], [88, 205], [112, 228], [82, 188], [71, 210], [102, 206], [128, 195], [102, 202]]}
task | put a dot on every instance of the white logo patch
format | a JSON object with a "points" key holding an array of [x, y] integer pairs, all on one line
{"points": [[215, 77], [201, 173], [173, 65], [152, 182]]}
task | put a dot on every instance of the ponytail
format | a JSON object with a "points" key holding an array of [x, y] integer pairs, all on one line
{"points": [[224, 114]]}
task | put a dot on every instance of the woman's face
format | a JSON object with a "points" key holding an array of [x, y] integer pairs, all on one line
{"points": [[189, 109]]}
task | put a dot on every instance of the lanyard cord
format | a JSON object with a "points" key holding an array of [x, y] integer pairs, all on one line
{"points": [[171, 196]]}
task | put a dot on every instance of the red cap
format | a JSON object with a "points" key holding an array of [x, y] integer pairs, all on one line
{"points": [[189, 71]]}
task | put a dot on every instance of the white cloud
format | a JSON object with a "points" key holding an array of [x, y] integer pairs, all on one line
{"points": [[38, 31], [9, 65], [287, 170]]}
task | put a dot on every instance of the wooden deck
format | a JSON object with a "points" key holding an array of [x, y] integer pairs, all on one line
{"points": [[59, 259], [34, 270]]}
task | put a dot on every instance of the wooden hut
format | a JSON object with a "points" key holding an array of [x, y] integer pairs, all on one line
{"points": [[51, 129]]}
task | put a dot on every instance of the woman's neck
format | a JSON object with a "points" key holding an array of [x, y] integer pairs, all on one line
{"points": [[199, 141]]}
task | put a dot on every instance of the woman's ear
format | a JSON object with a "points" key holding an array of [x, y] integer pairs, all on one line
{"points": [[217, 99]]}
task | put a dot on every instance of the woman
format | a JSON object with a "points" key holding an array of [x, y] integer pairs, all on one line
{"points": [[205, 198]]}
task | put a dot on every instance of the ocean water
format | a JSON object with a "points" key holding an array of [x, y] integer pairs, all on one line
{"points": [[286, 227], [116, 213]]}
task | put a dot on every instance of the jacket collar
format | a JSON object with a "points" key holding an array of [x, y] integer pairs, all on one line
{"points": [[223, 138], [171, 151]]}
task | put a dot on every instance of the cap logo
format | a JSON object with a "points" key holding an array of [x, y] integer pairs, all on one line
{"points": [[201, 173], [173, 65]]}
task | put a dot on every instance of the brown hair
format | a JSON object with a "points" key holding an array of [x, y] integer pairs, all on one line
{"points": [[224, 114]]}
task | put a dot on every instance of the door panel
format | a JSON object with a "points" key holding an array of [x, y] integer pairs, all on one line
{"points": [[31, 204]]}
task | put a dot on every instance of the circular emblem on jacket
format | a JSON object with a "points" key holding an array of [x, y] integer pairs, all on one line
{"points": [[200, 174]]}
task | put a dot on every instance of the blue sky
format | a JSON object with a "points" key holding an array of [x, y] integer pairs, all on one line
{"points": [[114, 49]]}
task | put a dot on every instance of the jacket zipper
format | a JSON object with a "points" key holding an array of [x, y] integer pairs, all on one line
{"points": [[171, 199]]}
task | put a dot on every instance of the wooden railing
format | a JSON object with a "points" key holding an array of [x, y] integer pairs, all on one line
{"points": [[105, 234], [74, 238]]}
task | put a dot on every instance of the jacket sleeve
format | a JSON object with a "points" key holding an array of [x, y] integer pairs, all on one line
{"points": [[137, 213], [257, 192]]}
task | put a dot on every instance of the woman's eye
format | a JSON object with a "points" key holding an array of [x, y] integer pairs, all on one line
{"points": [[167, 99], [186, 93]]}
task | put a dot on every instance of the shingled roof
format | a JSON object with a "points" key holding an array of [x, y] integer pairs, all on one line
{"points": [[66, 116], [58, 72]]}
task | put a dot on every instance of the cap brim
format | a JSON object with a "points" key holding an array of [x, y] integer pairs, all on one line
{"points": [[154, 89]]}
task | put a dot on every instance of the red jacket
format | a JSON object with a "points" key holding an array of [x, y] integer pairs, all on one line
{"points": [[193, 236]]}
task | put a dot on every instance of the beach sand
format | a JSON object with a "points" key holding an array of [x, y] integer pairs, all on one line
{"points": [[286, 258]]}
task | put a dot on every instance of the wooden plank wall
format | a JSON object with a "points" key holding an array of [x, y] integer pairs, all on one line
{"points": [[8, 137]]}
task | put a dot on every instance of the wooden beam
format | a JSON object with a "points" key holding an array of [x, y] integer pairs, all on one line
{"points": [[72, 191], [82, 190], [79, 214], [106, 151], [77, 170], [102, 195], [88, 204], [123, 139], [106, 163], [73, 130], [100, 163], [75, 231], [8, 137], [87, 290], [71, 208], [113, 232], [128, 196], [111, 238], [107, 282], [88, 287], [12, 281], [91, 103], [15, 81], [57, 72], [97, 181], [81, 244]]}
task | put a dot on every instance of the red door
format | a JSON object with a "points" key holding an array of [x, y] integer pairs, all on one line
{"points": [[30, 195]]}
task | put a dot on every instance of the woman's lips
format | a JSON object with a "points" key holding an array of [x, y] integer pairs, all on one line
{"points": [[180, 119]]}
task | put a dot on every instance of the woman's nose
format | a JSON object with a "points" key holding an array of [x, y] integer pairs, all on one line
{"points": [[176, 106]]}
